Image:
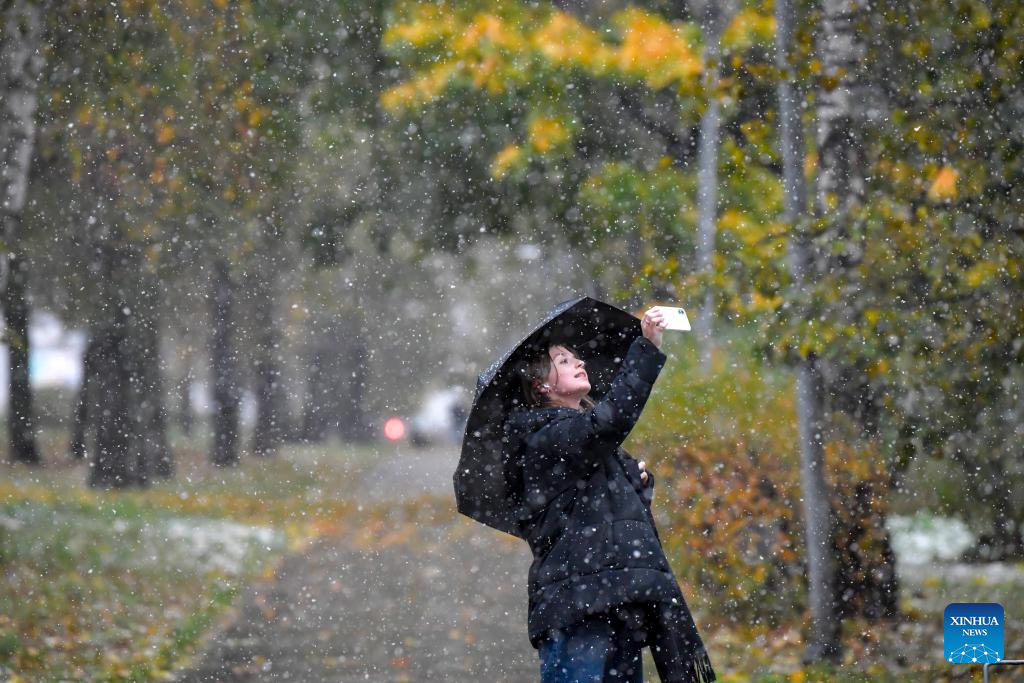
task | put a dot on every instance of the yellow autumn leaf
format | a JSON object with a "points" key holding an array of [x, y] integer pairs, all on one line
{"points": [[164, 133], [242, 102], [981, 272], [943, 184], [488, 28], [485, 74], [505, 160], [760, 302], [159, 168], [731, 219], [398, 97], [421, 89], [566, 41], [748, 28], [257, 115], [430, 22], [545, 133], [84, 114], [653, 50]]}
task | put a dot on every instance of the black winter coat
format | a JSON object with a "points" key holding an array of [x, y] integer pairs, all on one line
{"points": [[587, 514]]}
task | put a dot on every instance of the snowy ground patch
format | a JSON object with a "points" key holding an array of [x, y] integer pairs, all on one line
{"points": [[99, 541], [215, 543], [922, 538]]}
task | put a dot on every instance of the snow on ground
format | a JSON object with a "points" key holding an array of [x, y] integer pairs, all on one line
{"points": [[217, 543], [923, 538], [37, 533]]}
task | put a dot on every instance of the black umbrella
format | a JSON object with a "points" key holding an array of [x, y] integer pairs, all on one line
{"points": [[600, 333]]}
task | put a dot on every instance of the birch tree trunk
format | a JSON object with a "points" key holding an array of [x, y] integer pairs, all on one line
{"points": [[21, 62], [714, 16], [823, 634], [843, 97]]}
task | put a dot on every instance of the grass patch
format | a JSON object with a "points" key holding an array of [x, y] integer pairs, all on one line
{"points": [[120, 585]]}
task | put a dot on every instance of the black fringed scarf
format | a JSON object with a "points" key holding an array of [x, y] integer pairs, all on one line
{"points": [[676, 647]]}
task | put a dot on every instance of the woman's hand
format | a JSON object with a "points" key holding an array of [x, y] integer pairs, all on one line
{"points": [[653, 324], [643, 471]]}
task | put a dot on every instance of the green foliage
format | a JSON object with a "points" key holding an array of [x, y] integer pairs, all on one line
{"points": [[922, 321], [923, 316], [161, 120], [650, 211], [525, 83], [9, 644], [725, 447], [584, 129]]}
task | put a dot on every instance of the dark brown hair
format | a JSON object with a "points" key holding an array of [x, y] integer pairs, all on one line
{"points": [[534, 371]]}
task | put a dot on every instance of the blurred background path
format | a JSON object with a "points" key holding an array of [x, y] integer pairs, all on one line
{"points": [[408, 591]]}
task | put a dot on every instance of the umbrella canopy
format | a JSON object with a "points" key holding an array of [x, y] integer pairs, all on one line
{"points": [[600, 333]]}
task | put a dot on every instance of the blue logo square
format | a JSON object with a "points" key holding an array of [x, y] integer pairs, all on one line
{"points": [[973, 632]]}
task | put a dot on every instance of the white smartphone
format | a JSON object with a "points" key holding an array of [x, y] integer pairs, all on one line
{"points": [[675, 318]]}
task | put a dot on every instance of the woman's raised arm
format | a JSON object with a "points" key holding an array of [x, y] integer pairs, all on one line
{"points": [[568, 443]]}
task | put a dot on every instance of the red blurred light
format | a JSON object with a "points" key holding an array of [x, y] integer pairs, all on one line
{"points": [[394, 428]]}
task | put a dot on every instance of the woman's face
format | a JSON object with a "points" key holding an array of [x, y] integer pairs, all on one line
{"points": [[567, 380]]}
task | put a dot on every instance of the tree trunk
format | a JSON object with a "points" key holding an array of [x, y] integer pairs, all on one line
{"points": [[21, 62], [993, 484], [224, 361], [865, 583], [707, 221], [713, 21], [354, 423], [819, 523], [123, 389], [186, 416], [842, 130], [840, 134], [151, 450], [327, 385], [108, 391], [823, 634], [315, 418], [270, 414], [80, 424], [20, 416], [337, 379], [111, 467]]}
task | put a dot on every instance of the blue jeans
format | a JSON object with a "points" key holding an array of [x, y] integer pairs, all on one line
{"points": [[594, 650]]}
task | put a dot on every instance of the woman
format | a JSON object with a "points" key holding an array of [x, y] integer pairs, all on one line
{"points": [[600, 587]]}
